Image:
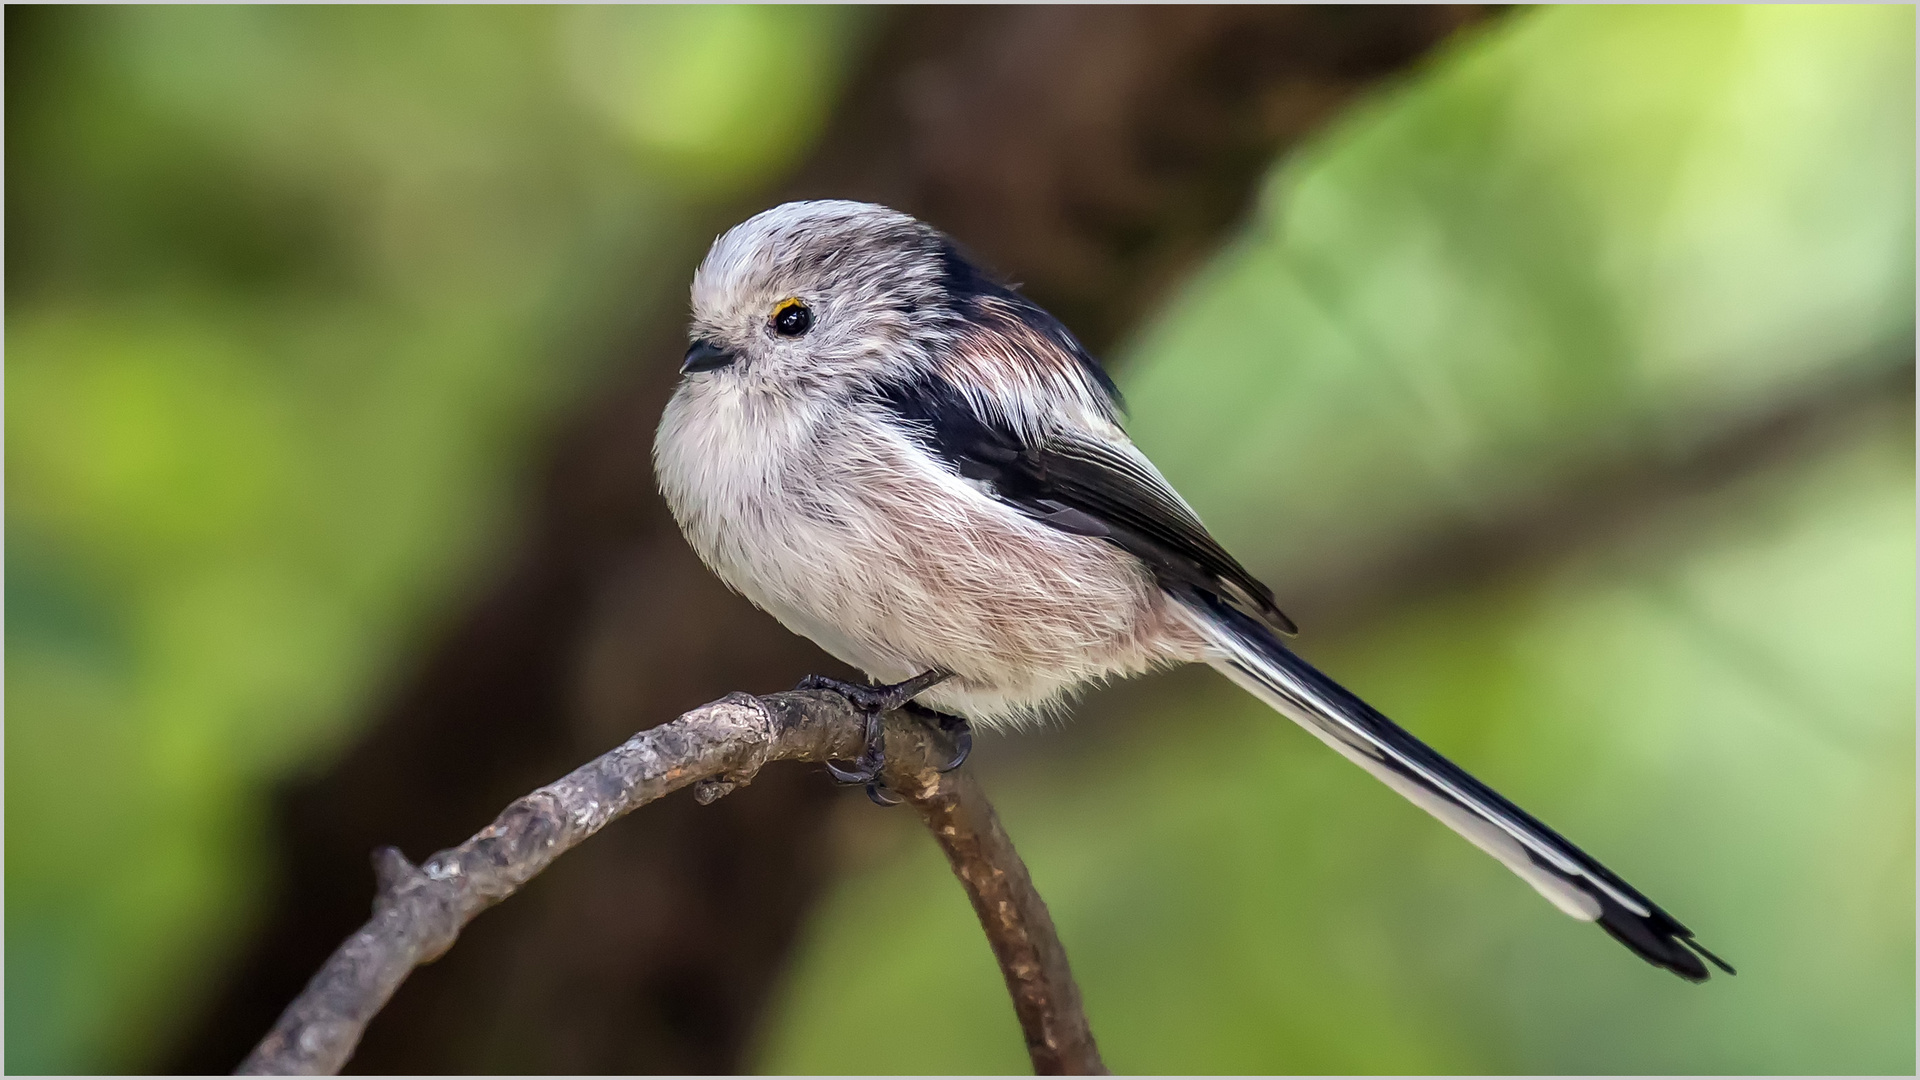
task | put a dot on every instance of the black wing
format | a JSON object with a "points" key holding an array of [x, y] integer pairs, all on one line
{"points": [[1084, 486]]}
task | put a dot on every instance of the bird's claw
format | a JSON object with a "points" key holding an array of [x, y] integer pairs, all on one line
{"points": [[873, 754], [865, 699], [955, 727], [863, 772], [873, 702], [962, 747], [877, 699]]}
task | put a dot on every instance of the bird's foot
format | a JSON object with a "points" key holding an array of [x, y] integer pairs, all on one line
{"points": [[955, 727], [878, 699], [874, 702]]}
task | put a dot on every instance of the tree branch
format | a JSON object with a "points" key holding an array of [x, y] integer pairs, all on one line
{"points": [[1018, 927], [419, 911]]}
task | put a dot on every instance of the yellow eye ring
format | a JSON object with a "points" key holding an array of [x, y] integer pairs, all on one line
{"points": [[791, 317]]}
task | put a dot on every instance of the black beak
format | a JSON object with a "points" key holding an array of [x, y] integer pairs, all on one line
{"points": [[705, 356]]}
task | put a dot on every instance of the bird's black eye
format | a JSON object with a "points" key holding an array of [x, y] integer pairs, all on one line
{"points": [[791, 317]]}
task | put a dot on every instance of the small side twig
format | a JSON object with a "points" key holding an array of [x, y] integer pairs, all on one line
{"points": [[419, 911]]}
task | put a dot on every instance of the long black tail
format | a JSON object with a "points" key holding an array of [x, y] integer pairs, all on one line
{"points": [[1254, 657]]}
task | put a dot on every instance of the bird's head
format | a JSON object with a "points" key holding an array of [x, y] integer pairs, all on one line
{"points": [[819, 292], [835, 296]]}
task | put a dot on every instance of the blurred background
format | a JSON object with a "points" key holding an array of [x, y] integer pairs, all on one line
{"points": [[1554, 365]]}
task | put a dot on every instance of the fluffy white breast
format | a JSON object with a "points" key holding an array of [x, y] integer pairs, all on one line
{"points": [[836, 521]]}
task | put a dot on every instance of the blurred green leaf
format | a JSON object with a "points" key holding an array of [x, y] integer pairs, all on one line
{"points": [[715, 94], [1509, 270]]}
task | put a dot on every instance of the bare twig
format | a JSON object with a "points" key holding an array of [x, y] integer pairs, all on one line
{"points": [[419, 911]]}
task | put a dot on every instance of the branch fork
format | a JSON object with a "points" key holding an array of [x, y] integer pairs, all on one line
{"points": [[419, 910]]}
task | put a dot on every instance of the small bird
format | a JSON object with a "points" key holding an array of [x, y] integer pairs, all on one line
{"points": [[908, 462]]}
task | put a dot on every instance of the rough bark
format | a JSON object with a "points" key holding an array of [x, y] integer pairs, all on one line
{"points": [[1091, 153]]}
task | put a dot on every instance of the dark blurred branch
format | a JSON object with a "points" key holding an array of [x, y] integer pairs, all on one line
{"points": [[1610, 496], [1098, 153], [419, 911]]}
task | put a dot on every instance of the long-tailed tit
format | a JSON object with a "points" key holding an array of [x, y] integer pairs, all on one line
{"points": [[922, 471]]}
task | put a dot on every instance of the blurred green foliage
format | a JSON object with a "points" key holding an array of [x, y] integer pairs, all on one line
{"points": [[290, 294], [1591, 234]]}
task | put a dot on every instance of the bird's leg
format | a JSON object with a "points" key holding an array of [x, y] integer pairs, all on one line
{"points": [[873, 702], [878, 699]]}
